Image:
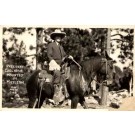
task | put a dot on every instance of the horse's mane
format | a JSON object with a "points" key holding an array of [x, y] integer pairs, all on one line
{"points": [[74, 70]]}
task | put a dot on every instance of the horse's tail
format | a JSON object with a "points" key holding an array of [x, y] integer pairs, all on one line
{"points": [[33, 76]]}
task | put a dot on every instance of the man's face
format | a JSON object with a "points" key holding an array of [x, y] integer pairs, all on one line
{"points": [[58, 39]]}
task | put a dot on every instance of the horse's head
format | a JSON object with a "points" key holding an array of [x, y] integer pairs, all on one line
{"points": [[111, 71], [120, 76], [106, 70]]}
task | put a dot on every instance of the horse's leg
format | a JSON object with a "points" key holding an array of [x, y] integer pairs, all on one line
{"points": [[83, 103], [32, 101], [74, 102], [93, 83], [40, 101]]}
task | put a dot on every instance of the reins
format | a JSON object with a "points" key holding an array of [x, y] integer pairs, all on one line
{"points": [[104, 61], [77, 65]]}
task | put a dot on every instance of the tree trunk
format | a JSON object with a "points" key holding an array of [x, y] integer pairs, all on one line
{"points": [[108, 41], [104, 95]]}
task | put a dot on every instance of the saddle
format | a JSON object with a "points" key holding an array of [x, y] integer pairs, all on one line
{"points": [[45, 76]]}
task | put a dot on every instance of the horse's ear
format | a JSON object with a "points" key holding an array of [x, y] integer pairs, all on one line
{"points": [[107, 56], [114, 61]]}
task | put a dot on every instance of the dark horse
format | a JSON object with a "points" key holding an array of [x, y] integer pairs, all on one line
{"points": [[80, 75], [122, 78], [80, 80]]}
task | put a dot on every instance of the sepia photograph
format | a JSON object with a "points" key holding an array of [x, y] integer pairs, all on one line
{"points": [[68, 68]]}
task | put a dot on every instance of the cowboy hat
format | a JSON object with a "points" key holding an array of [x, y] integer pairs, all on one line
{"points": [[57, 33]]}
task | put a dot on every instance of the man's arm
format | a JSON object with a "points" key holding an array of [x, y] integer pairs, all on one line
{"points": [[64, 53], [49, 52]]}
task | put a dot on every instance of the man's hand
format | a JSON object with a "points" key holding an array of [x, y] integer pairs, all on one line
{"points": [[70, 57]]}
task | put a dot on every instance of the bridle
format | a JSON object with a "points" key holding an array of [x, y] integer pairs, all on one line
{"points": [[79, 66], [104, 60]]}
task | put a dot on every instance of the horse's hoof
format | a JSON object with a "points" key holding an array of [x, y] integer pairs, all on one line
{"points": [[51, 101], [56, 105], [64, 103]]}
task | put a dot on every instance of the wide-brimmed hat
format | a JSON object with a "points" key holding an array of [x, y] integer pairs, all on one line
{"points": [[57, 33]]}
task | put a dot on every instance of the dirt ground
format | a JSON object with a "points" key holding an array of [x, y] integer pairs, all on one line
{"points": [[128, 104]]}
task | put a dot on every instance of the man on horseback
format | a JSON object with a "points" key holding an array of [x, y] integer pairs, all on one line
{"points": [[56, 55]]}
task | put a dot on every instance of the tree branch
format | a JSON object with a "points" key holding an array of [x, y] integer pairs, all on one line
{"points": [[117, 35]]}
